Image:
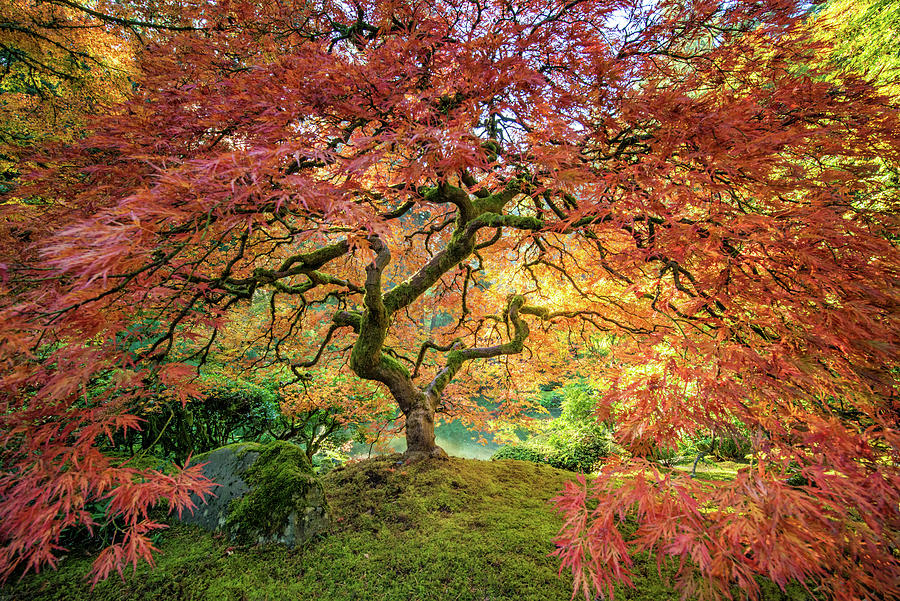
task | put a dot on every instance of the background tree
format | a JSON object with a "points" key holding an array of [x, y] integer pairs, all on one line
{"points": [[863, 34], [62, 60], [60, 63], [686, 175]]}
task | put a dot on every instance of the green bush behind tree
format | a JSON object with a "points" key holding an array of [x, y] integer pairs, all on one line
{"points": [[233, 410], [574, 441]]}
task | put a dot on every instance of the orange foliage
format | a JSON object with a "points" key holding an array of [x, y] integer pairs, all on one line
{"points": [[450, 198]]}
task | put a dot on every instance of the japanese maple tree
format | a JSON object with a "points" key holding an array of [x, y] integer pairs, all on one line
{"points": [[422, 193]]}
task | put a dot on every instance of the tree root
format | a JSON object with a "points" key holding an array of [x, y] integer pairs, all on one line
{"points": [[417, 455]]}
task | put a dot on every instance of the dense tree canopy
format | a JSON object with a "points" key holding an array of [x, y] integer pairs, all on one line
{"points": [[448, 197]]}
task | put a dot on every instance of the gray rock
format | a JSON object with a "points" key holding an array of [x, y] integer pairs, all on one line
{"points": [[266, 493]]}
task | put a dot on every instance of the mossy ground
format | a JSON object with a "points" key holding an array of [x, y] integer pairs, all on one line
{"points": [[458, 530]]}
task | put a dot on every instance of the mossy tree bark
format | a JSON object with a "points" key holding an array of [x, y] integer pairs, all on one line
{"points": [[368, 358]]}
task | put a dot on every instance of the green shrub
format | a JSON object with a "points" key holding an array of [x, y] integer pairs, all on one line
{"points": [[734, 449], [582, 456], [576, 399], [578, 403], [575, 455], [232, 410], [692, 446], [575, 440], [577, 450], [520, 452], [550, 401]]}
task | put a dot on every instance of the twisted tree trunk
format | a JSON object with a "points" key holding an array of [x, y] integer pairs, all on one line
{"points": [[420, 440], [369, 359]]}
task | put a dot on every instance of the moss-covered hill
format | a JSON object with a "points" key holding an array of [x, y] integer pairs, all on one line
{"points": [[457, 530]]}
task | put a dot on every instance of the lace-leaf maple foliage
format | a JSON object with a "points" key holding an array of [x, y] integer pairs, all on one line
{"points": [[439, 197]]}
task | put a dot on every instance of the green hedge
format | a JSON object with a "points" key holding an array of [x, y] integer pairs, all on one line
{"points": [[573, 451]]}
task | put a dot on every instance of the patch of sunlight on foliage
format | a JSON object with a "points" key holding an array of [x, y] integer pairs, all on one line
{"points": [[865, 36], [709, 470]]}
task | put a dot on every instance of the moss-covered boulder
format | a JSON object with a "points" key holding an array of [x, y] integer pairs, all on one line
{"points": [[266, 493]]}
